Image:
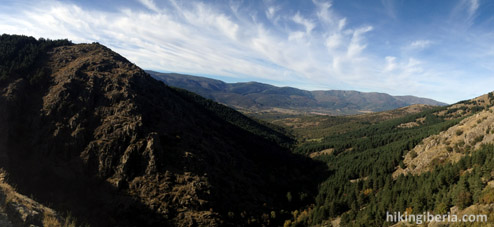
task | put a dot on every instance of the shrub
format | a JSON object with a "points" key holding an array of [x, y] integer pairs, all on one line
{"points": [[487, 196], [478, 139], [402, 165], [459, 132], [441, 208], [463, 199]]}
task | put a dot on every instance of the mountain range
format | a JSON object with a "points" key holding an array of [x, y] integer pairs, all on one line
{"points": [[89, 139], [258, 97]]}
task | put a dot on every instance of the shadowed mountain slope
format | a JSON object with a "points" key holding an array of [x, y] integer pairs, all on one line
{"points": [[87, 131]]}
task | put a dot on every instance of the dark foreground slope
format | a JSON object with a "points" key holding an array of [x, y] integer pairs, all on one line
{"points": [[257, 97], [86, 131]]}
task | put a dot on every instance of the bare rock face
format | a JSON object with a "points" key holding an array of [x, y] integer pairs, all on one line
{"points": [[103, 140]]}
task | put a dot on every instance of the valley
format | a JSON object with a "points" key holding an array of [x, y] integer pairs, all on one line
{"points": [[97, 141]]}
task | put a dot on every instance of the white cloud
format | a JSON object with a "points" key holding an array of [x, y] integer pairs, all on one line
{"points": [[465, 11], [150, 5], [334, 41], [200, 39], [324, 50], [341, 24], [303, 21], [390, 64], [356, 45], [419, 44], [473, 6], [323, 11], [271, 11]]}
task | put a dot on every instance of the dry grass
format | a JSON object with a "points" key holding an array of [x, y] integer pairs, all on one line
{"points": [[6, 189], [50, 218], [69, 221], [50, 221], [323, 152], [450, 145]]}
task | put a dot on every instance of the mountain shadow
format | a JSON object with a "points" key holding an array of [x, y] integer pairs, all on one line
{"points": [[85, 131]]}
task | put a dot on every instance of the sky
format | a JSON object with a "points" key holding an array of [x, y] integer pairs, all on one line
{"points": [[436, 49]]}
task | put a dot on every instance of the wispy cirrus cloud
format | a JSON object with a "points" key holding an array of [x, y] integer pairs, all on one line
{"points": [[272, 41], [466, 11], [419, 44], [473, 5], [389, 7], [303, 21], [150, 5]]}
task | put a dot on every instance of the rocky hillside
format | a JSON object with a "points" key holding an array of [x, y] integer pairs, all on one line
{"points": [[85, 130], [451, 145], [257, 97], [19, 210], [422, 159]]}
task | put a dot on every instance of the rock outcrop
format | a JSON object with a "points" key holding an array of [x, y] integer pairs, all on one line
{"points": [[450, 145], [100, 138], [19, 210]]}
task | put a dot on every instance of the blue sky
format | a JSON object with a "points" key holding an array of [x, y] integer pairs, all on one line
{"points": [[436, 49]]}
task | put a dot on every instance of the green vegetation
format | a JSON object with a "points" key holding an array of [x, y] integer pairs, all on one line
{"points": [[449, 149], [313, 128], [365, 152], [360, 188], [478, 139], [253, 96], [207, 159], [381, 134], [321, 126], [260, 128], [20, 56]]}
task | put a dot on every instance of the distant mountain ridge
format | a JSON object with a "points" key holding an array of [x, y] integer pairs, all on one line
{"points": [[255, 97]]}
